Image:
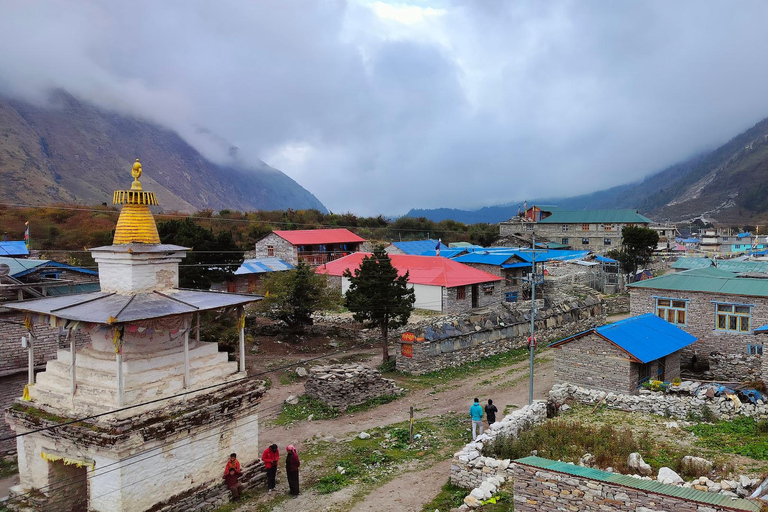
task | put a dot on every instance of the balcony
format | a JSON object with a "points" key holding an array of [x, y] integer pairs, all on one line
{"points": [[316, 259]]}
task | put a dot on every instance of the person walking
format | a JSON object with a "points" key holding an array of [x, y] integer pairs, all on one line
{"points": [[271, 456], [490, 412], [292, 464], [476, 413]]}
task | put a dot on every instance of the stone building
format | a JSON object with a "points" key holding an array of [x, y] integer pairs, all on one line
{"points": [[440, 284], [312, 246], [154, 411], [619, 356], [719, 308], [594, 230]]}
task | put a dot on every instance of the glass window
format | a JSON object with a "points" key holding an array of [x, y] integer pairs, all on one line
{"points": [[606, 241], [564, 241], [671, 310], [461, 293], [585, 241], [565, 227], [733, 318], [755, 350], [270, 250], [585, 227]]}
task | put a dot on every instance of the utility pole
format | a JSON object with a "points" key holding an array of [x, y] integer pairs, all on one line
{"points": [[531, 341]]}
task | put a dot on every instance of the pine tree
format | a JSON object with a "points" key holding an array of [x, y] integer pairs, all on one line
{"points": [[378, 296]]}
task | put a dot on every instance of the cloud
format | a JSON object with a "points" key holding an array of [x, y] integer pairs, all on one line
{"points": [[383, 106]]}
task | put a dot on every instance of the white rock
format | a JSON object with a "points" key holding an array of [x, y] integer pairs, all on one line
{"points": [[301, 372], [745, 481], [636, 462], [363, 435], [667, 476], [696, 465], [292, 400], [564, 407]]}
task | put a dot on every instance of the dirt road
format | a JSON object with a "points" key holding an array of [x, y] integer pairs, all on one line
{"points": [[410, 490]]}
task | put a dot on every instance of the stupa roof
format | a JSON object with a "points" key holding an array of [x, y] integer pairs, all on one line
{"points": [[136, 223], [113, 308]]}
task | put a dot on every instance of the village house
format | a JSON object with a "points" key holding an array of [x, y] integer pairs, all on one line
{"points": [[738, 266], [155, 396], [440, 284], [594, 230], [312, 246], [618, 357], [249, 275], [417, 247], [716, 306]]}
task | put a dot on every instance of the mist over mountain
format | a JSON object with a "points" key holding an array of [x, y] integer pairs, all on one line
{"points": [[70, 151], [728, 184]]}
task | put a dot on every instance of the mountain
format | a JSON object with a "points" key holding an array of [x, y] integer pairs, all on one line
{"points": [[70, 151], [729, 185]]}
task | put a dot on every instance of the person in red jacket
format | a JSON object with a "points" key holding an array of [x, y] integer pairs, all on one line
{"points": [[232, 463], [292, 464], [233, 484], [270, 458]]}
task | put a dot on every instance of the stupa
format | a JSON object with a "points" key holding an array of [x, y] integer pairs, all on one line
{"points": [[163, 409]]}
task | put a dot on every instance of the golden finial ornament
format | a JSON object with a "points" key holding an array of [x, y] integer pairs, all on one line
{"points": [[136, 173]]}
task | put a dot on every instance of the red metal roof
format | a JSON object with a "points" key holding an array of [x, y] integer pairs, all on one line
{"points": [[428, 270], [318, 236]]}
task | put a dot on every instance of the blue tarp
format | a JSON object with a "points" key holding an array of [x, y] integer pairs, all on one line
{"points": [[605, 259]]}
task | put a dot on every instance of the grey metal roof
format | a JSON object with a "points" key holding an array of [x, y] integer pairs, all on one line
{"points": [[112, 308]]}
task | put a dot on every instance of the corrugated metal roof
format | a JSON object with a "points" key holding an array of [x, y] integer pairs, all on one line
{"points": [[595, 217], [731, 265], [605, 259], [56, 265], [419, 247], [696, 281], [504, 257], [445, 253], [761, 329], [645, 337], [21, 265], [487, 257], [65, 289], [111, 308], [709, 498], [13, 248], [426, 270], [319, 236], [263, 265]]}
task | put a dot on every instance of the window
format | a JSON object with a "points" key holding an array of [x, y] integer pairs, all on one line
{"points": [[609, 227], [461, 293], [270, 250], [585, 241], [510, 296], [585, 227], [564, 227], [488, 289], [564, 241], [529, 227], [606, 241], [755, 350], [672, 310], [733, 318]]}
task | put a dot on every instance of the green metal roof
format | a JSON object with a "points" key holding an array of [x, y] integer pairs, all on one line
{"points": [[18, 265], [595, 217], [731, 265], [707, 281], [708, 498]]}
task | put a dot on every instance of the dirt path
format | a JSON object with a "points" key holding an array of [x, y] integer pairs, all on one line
{"points": [[7, 483], [507, 386]]}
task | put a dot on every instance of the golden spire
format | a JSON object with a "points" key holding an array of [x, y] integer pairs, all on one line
{"points": [[136, 223]]}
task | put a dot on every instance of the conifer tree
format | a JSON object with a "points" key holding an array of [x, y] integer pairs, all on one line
{"points": [[378, 296]]}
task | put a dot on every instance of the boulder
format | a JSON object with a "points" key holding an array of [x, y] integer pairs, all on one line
{"points": [[636, 462], [695, 465], [668, 476], [292, 400], [363, 435], [301, 372]]}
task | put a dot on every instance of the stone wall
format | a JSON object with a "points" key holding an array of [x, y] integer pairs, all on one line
{"points": [[470, 469], [14, 358], [676, 404], [538, 490], [349, 384], [282, 247], [11, 388], [735, 367], [453, 341], [616, 304], [592, 361], [452, 305], [700, 321]]}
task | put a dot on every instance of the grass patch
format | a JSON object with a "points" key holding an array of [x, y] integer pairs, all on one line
{"points": [[8, 467], [450, 497], [287, 377], [742, 436], [446, 375], [373, 403], [569, 440], [306, 407]]}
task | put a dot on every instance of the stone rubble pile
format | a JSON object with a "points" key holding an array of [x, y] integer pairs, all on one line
{"points": [[471, 470], [349, 384], [676, 403]]}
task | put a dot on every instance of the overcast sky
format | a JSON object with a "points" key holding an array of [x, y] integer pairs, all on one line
{"points": [[378, 107]]}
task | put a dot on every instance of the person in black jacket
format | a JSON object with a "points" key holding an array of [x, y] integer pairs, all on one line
{"points": [[490, 412]]}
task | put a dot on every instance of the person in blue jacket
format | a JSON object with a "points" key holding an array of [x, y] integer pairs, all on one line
{"points": [[476, 413]]}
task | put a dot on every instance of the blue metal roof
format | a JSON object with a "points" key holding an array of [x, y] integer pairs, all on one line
{"points": [[605, 259], [13, 248], [445, 253], [263, 265], [47, 264], [761, 329], [551, 255], [486, 257], [646, 337], [519, 264], [418, 247]]}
